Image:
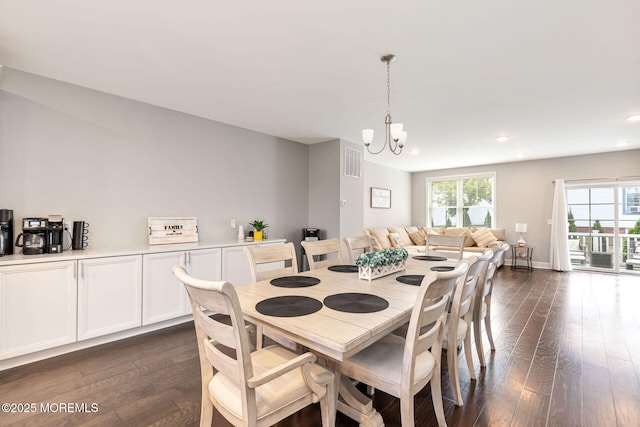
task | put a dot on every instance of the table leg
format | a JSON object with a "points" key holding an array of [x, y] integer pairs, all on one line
{"points": [[356, 405]]}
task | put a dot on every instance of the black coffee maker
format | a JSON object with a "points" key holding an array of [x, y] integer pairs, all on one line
{"points": [[55, 235], [6, 232], [35, 235]]}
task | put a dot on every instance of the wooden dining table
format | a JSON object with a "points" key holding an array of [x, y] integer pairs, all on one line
{"points": [[335, 335]]}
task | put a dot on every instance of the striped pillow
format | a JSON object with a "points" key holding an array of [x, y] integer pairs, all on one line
{"points": [[483, 237]]}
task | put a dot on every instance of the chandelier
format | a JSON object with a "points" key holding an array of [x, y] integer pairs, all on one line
{"points": [[395, 137]]}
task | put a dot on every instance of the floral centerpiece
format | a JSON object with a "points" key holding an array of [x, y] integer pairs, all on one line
{"points": [[372, 265]]}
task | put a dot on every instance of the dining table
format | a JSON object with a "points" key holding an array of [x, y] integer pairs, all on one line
{"points": [[334, 314]]}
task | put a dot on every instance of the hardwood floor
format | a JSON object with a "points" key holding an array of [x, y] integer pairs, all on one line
{"points": [[568, 354]]}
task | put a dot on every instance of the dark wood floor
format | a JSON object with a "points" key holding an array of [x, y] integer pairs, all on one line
{"points": [[568, 354]]}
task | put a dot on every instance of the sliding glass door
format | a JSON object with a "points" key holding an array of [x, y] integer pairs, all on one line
{"points": [[604, 226]]}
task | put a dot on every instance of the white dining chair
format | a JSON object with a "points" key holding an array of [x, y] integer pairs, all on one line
{"points": [[482, 305], [454, 244], [248, 388], [284, 257], [402, 367], [459, 322], [357, 246], [322, 253]]}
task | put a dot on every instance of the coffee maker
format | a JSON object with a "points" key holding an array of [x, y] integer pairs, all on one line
{"points": [[34, 236], [6, 232], [55, 235]]}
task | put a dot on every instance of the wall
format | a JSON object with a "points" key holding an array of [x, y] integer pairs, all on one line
{"points": [[400, 184], [351, 196], [324, 188], [113, 162], [524, 190]]}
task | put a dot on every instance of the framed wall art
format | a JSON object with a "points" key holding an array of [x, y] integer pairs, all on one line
{"points": [[380, 198]]}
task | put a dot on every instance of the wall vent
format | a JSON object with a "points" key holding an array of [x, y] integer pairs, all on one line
{"points": [[352, 162]]}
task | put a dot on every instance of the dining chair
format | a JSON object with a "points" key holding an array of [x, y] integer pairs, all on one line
{"points": [[357, 246], [318, 250], [460, 319], [261, 261], [433, 241], [248, 388], [402, 367], [482, 305]]}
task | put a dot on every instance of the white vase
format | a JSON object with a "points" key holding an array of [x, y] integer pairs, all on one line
{"points": [[240, 233]]}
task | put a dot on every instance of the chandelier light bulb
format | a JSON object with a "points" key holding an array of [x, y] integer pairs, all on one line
{"points": [[367, 136]]}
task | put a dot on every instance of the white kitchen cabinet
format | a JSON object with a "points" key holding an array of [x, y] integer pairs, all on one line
{"points": [[235, 265], [109, 295], [164, 297], [38, 304]]}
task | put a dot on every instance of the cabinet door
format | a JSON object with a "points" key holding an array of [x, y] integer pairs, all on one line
{"points": [[163, 296], [204, 264], [37, 307], [109, 295], [235, 266]]}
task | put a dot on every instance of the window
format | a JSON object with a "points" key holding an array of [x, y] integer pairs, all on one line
{"points": [[461, 201]]}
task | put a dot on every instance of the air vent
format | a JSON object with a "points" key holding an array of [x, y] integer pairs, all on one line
{"points": [[352, 162]]}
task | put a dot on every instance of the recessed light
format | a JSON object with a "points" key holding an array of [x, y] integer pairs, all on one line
{"points": [[520, 156], [622, 143], [415, 151], [634, 118], [502, 138]]}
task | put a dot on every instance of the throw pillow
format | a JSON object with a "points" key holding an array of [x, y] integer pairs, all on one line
{"points": [[483, 237], [418, 238], [382, 234], [396, 241], [468, 242]]}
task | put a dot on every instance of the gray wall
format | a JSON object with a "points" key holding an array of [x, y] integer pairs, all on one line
{"points": [[399, 182], [113, 162], [524, 190], [324, 187]]}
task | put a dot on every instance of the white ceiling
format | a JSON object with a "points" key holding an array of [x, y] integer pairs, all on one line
{"points": [[558, 77]]}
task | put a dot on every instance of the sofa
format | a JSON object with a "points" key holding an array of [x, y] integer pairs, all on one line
{"points": [[413, 239]]}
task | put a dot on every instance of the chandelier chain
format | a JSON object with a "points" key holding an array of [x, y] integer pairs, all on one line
{"points": [[388, 86]]}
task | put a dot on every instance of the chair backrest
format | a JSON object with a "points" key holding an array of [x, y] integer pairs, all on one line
{"points": [[318, 249], [357, 246], [219, 297], [428, 320], [479, 267], [260, 256], [498, 253], [462, 299], [456, 243]]}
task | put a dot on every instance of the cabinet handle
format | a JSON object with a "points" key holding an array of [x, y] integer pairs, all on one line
{"points": [[75, 270], [189, 259]]}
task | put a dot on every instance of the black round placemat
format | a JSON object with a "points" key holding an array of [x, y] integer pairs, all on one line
{"points": [[429, 258], [295, 281], [288, 306], [344, 268], [356, 303], [442, 268], [411, 279]]}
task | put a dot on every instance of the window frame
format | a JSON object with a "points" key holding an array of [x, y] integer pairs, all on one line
{"points": [[460, 195]]}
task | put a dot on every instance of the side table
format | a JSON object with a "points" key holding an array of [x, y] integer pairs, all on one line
{"points": [[521, 253]]}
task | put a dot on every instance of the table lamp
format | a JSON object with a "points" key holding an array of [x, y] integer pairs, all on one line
{"points": [[521, 228]]}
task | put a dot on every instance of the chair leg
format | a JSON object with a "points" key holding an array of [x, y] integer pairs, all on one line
{"points": [[328, 406], [468, 355], [259, 337], [436, 396], [206, 411], [454, 377], [477, 334], [487, 325], [407, 412]]}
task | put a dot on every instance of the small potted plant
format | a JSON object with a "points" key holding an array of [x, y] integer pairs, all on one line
{"points": [[258, 226]]}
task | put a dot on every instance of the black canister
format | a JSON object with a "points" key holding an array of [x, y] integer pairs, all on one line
{"points": [[79, 237], [6, 232]]}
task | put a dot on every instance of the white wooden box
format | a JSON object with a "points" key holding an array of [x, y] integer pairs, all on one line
{"points": [[167, 230]]}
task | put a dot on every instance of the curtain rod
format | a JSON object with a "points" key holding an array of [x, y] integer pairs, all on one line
{"points": [[622, 178]]}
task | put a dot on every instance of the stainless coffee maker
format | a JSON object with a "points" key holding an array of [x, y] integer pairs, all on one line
{"points": [[34, 236], [6, 232]]}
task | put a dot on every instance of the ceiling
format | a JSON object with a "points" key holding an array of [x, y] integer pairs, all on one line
{"points": [[558, 77]]}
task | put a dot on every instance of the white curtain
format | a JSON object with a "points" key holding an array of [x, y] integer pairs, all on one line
{"points": [[560, 260]]}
